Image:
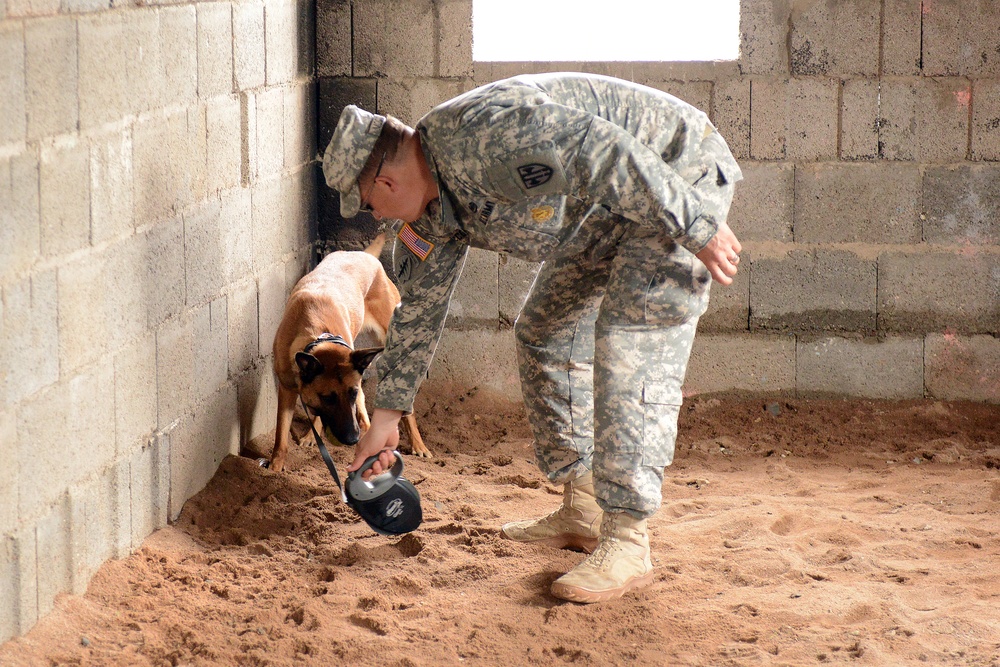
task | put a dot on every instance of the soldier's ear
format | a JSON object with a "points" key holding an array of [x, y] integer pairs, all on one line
{"points": [[310, 367]]}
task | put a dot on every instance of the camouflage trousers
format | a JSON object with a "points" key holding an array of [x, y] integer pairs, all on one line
{"points": [[602, 353]]}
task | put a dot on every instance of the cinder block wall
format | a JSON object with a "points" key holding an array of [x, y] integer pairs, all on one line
{"points": [[869, 135], [157, 189]]}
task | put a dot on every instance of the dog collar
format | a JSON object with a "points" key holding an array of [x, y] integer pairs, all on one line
{"points": [[327, 337]]}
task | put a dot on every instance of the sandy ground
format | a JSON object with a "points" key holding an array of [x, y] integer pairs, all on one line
{"points": [[792, 533]]}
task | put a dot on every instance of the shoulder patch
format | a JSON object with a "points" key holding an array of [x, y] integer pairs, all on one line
{"points": [[416, 244], [534, 174]]}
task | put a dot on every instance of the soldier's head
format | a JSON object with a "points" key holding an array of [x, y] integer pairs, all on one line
{"points": [[377, 165]]}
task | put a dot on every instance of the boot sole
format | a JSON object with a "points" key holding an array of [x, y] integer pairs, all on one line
{"points": [[578, 594], [565, 541]]}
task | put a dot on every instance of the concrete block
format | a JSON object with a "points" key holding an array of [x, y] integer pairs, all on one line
{"points": [[333, 38], [961, 205], [731, 115], [192, 360], [280, 33], [812, 290], [334, 95], [480, 364], [111, 181], [151, 186], [298, 197], [204, 250], [304, 49], [118, 480], [764, 37], [455, 38], [178, 41], [188, 149], [142, 469], [960, 38], [762, 206], [939, 290], [215, 49], [794, 119], [270, 109], [729, 305], [299, 125], [695, 93], [244, 347], [410, 100], [901, 23], [50, 47], [248, 44], [926, 120], [834, 39], [145, 71], [258, 401], [889, 369], [236, 235], [13, 121], [267, 223], [8, 474], [104, 87], [986, 119], [475, 300], [64, 204], [962, 368], [30, 8], [199, 443], [135, 393], [20, 227], [28, 359], [223, 119], [248, 139], [18, 583], [390, 39], [93, 527], [76, 420], [161, 479], [163, 282], [273, 290], [859, 114], [515, 279], [741, 363], [837, 203]]}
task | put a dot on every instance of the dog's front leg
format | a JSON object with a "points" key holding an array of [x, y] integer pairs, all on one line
{"points": [[282, 430], [364, 423], [417, 446]]}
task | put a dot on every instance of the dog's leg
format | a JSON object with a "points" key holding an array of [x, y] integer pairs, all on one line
{"points": [[417, 446], [282, 430], [364, 423]]}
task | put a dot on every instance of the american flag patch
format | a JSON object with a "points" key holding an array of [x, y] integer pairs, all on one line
{"points": [[417, 244]]}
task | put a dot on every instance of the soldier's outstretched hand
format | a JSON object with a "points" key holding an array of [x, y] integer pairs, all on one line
{"points": [[722, 255]]}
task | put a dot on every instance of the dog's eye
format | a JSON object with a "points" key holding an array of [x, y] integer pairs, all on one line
{"points": [[329, 399], [352, 394]]}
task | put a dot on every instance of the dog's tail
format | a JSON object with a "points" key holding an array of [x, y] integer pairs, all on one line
{"points": [[375, 247]]}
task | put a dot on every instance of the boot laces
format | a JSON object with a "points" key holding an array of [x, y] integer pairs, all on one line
{"points": [[607, 543]]}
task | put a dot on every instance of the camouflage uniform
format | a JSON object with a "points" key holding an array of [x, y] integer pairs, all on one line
{"points": [[613, 186]]}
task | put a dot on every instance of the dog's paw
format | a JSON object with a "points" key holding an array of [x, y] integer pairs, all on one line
{"points": [[264, 463], [422, 453]]}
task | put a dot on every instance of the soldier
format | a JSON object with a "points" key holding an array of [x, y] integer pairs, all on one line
{"points": [[622, 192]]}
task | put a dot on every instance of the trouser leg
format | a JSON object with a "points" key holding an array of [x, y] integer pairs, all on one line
{"points": [[555, 348], [644, 333]]}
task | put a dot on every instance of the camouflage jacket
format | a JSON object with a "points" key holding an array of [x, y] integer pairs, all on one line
{"points": [[543, 166]]}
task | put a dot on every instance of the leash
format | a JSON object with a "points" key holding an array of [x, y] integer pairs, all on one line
{"points": [[327, 459]]}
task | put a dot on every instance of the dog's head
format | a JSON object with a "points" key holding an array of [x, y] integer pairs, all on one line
{"points": [[330, 379]]}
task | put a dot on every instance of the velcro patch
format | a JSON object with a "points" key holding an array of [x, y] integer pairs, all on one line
{"points": [[534, 174], [418, 245]]}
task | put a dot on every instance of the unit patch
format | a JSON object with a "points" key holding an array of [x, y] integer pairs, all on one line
{"points": [[542, 213], [534, 174], [418, 245]]}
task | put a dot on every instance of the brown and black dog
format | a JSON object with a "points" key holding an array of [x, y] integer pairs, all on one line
{"points": [[314, 356]]}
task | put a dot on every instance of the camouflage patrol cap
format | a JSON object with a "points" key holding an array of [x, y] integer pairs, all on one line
{"points": [[347, 153]]}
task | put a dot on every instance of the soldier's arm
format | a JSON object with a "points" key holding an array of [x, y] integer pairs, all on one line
{"points": [[426, 286]]}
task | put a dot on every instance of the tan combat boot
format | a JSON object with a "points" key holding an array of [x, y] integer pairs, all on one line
{"points": [[619, 564], [575, 525]]}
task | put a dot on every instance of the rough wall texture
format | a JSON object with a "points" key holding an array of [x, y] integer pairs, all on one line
{"points": [[869, 134], [157, 189]]}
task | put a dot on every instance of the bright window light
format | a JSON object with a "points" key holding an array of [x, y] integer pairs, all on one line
{"points": [[605, 30]]}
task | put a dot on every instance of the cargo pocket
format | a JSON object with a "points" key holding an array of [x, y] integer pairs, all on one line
{"points": [[661, 402]]}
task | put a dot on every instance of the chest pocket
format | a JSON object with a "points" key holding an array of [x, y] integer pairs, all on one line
{"points": [[527, 173], [530, 229]]}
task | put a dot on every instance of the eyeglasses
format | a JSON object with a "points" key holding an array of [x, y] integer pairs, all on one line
{"points": [[365, 206]]}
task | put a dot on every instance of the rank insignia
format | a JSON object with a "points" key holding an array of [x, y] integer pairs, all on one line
{"points": [[418, 245]]}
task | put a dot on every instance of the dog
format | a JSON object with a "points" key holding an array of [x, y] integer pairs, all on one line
{"points": [[314, 357]]}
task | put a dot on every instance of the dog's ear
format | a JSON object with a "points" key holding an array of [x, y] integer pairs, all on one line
{"points": [[361, 359], [310, 367]]}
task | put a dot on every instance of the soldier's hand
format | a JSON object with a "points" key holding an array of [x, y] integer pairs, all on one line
{"points": [[382, 438], [722, 255]]}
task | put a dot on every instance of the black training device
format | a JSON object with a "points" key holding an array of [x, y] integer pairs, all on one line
{"points": [[389, 502]]}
